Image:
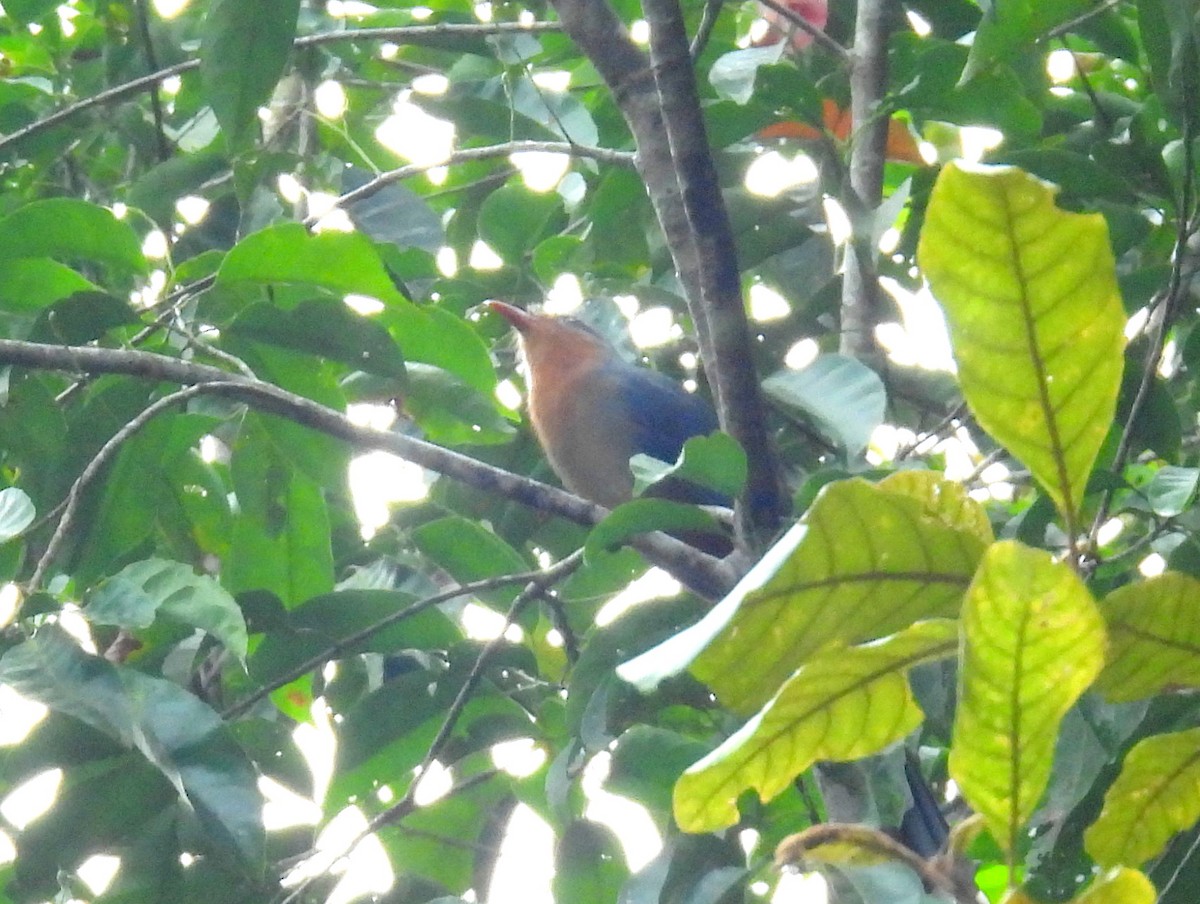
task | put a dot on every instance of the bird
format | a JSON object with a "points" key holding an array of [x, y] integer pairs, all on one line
{"points": [[592, 411]]}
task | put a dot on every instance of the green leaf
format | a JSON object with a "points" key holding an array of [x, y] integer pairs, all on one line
{"points": [[1154, 637], [347, 263], [1033, 640], [70, 230], [1172, 490], [326, 328], [451, 411], [468, 551], [1156, 795], [1015, 25], [30, 284], [105, 804], [733, 74], [843, 397], [843, 704], [514, 219], [243, 50], [158, 188], [179, 735], [281, 535], [640, 516], [16, 513], [589, 864], [715, 461], [342, 262], [26, 11], [142, 592], [646, 762], [81, 318], [867, 561], [325, 622], [1035, 319]]}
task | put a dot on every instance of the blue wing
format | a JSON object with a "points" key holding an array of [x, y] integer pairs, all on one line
{"points": [[662, 417]]}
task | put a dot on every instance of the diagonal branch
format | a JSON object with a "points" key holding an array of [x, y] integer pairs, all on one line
{"points": [[705, 575]]}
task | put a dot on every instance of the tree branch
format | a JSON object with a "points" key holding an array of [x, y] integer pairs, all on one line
{"points": [[700, 239], [862, 302], [736, 383], [705, 575]]}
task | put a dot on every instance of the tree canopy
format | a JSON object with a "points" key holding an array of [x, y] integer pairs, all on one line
{"points": [[264, 471]]}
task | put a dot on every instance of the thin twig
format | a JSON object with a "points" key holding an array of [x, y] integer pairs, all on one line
{"points": [[407, 34], [462, 787], [1072, 24], [1178, 871], [464, 155], [352, 640], [708, 21], [160, 133], [1162, 314], [818, 35], [96, 465]]}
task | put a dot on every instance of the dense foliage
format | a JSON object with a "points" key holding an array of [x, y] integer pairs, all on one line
{"points": [[243, 251]]}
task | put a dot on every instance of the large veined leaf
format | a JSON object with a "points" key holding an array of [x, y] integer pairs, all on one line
{"points": [[1156, 795], [1035, 318], [1154, 636], [1033, 640], [348, 263], [843, 704], [867, 561], [178, 734]]}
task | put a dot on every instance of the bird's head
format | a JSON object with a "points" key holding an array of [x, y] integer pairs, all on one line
{"points": [[554, 341]]}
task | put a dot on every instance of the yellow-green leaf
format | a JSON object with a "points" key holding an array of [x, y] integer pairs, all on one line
{"points": [[1154, 637], [1156, 795], [867, 561], [844, 704], [1119, 886], [944, 500], [1035, 317], [1033, 640]]}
